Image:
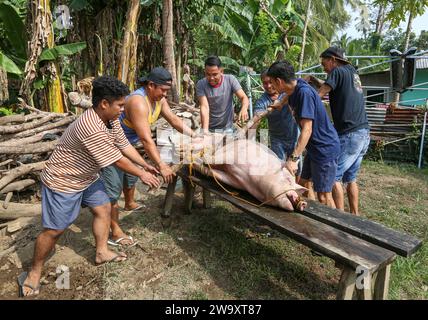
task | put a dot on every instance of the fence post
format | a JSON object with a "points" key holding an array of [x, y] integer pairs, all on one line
{"points": [[421, 152], [250, 95]]}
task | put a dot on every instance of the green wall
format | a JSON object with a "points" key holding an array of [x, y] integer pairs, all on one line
{"points": [[421, 76]]}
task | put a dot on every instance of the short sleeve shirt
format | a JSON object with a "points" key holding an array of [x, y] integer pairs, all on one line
{"points": [[324, 143], [281, 122], [85, 147], [220, 101], [347, 99]]}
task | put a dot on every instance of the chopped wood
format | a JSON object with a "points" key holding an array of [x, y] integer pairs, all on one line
{"points": [[7, 200], [49, 126], [40, 147], [26, 126], [19, 118], [5, 162], [18, 224], [18, 210], [20, 171], [37, 137], [7, 251], [18, 185]]}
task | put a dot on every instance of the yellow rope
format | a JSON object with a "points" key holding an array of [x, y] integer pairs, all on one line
{"points": [[233, 194]]}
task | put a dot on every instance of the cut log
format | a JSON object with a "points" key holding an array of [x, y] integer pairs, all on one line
{"points": [[20, 171], [26, 126], [7, 200], [18, 210], [49, 126], [18, 185], [18, 224], [7, 251], [40, 147], [19, 118], [5, 162], [35, 138]]}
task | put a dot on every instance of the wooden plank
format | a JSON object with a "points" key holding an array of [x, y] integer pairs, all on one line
{"points": [[398, 242], [336, 244]]}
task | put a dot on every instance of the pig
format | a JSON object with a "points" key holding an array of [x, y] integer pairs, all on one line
{"points": [[246, 165]]}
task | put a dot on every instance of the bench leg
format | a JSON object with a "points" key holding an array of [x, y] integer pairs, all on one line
{"points": [[169, 197], [366, 293], [189, 192], [381, 285], [346, 284], [206, 196]]}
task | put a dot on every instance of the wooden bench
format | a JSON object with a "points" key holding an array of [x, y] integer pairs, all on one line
{"points": [[363, 249]]}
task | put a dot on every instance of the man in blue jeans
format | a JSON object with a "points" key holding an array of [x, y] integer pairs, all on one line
{"points": [[350, 120], [283, 130], [317, 135]]}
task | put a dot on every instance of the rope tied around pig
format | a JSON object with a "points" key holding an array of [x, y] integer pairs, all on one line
{"points": [[235, 195]]}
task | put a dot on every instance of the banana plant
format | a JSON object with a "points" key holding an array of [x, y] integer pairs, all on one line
{"points": [[13, 55]]}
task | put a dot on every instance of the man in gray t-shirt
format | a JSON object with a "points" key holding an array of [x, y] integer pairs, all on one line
{"points": [[215, 93]]}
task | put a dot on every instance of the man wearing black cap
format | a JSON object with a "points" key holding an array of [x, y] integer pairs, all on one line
{"points": [[215, 93], [142, 109], [350, 120]]}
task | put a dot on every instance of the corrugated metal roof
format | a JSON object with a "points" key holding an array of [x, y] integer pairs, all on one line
{"points": [[422, 63]]}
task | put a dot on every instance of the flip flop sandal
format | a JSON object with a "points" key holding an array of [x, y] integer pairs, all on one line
{"points": [[117, 242], [21, 283], [142, 206], [114, 259]]}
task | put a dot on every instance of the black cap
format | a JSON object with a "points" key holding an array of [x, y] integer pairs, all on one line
{"points": [[335, 52], [159, 76]]}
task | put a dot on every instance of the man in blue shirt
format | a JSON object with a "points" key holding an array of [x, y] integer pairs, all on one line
{"points": [[283, 130], [317, 134], [350, 120]]}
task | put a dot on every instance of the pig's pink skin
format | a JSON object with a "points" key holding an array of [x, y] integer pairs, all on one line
{"points": [[251, 166]]}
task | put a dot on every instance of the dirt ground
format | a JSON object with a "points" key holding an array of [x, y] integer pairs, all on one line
{"points": [[217, 253]]}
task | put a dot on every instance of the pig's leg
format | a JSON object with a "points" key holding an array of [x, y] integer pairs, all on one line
{"points": [[298, 203], [225, 177]]}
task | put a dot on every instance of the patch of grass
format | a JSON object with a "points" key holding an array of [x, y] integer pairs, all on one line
{"points": [[396, 196], [197, 295], [234, 257]]}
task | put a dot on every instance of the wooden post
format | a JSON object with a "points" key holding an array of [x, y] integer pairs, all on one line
{"points": [[189, 192], [346, 284], [381, 286], [169, 198], [206, 196]]}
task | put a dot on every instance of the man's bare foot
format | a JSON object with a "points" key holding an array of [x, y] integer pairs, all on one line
{"points": [[31, 285], [109, 256]]}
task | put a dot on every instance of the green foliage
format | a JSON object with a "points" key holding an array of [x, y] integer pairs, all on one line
{"points": [[400, 9], [14, 29], [8, 65], [61, 50], [5, 111]]}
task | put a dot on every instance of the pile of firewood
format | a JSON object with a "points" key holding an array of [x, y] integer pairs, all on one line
{"points": [[26, 142]]}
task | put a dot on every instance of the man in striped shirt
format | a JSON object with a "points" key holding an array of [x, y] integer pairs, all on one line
{"points": [[70, 178]]}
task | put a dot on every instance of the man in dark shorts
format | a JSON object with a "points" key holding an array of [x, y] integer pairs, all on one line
{"points": [[317, 134]]}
